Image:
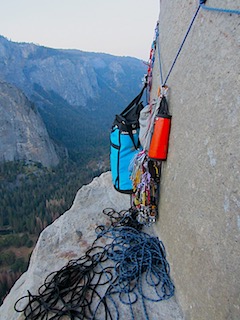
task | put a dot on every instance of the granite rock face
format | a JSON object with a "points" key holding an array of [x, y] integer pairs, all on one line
{"points": [[199, 219], [23, 135], [68, 238]]}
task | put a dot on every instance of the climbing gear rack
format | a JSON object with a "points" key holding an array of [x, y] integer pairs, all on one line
{"points": [[146, 179]]}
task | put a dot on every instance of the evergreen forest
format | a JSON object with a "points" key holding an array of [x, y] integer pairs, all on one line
{"points": [[32, 197]]}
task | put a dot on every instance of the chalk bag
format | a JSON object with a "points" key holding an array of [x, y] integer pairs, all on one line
{"points": [[159, 142]]}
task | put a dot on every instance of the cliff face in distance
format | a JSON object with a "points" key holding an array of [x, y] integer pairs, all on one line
{"points": [[78, 77], [77, 93], [23, 135]]}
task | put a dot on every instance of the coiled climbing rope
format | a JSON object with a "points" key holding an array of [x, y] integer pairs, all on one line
{"points": [[130, 268]]}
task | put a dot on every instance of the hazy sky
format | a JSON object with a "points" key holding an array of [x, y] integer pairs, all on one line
{"points": [[119, 27]]}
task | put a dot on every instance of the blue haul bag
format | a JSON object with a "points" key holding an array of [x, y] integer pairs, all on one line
{"points": [[122, 154]]}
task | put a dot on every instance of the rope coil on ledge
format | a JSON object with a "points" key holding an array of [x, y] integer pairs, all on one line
{"points": [[130, 268]]}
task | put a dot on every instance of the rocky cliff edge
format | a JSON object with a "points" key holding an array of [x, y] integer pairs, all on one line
{"points": [[68, 238]]}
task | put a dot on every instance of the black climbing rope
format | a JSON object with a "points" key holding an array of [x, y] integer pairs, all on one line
{"points": [[130, 267]]}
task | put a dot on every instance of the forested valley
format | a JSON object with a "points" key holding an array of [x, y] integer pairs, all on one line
{"points": [[32, 197], [77, 95]]}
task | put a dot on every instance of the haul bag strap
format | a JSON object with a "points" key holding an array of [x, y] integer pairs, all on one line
{"points": [[129, 130], [120, 118], [135, 101]]}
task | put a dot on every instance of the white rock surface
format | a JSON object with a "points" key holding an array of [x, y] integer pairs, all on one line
{"points": [[60, 242]]}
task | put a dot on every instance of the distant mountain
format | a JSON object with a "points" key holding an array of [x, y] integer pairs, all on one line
{"points": [[77, 93], [23, 135]]}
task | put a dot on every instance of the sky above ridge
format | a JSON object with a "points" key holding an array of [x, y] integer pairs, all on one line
{"points": [[118, 27]]}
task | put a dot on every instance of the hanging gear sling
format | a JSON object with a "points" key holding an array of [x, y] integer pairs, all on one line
{"points": [[154, 134], [125, 143], [139, 142]]}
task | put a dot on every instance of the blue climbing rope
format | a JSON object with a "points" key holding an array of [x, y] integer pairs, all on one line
{"points": [[181, 46], [203, 6], [136, 253], [159, 51]]}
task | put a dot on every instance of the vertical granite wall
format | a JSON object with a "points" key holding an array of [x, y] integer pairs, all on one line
{"points": [[199, 219]]}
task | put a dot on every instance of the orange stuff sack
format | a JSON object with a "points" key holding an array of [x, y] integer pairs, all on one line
{"points": [[159, 142]]}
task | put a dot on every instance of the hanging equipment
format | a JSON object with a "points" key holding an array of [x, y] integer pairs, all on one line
{"points": [[159, 142]]}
